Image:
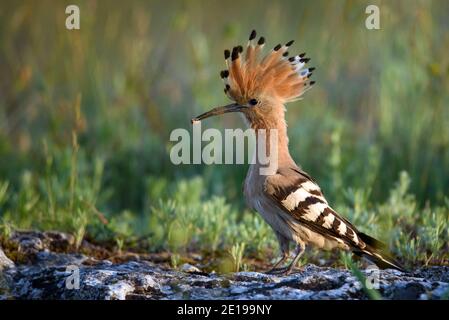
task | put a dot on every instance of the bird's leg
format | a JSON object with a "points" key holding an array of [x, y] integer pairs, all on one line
{"points": [[284, 246], [284, 257], [300, 251]]}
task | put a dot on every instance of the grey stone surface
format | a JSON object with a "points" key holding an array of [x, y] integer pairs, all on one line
{"points": [[50, 275]]}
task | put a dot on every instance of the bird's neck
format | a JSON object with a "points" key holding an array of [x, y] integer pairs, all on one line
{"points": [[271, 135]]}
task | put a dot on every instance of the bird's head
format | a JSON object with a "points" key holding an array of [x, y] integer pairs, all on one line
{"points": [[260, 86]]}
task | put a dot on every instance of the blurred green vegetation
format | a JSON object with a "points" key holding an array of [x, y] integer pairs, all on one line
{"points": [[85, 118]]}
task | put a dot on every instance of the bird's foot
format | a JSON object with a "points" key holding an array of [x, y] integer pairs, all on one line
{"points": [[289, 271], [275, 268], [274, 271], [284, 271]]}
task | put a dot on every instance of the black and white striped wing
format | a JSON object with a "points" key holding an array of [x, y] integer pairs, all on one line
{"points": [[300, 196]]}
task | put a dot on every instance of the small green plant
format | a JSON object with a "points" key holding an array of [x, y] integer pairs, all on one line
{"points": [[120, 243], [79, 224], [174, 260], [6, 229], [236, 252]]}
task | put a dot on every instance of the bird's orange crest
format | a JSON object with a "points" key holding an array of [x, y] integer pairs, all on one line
{"points": [[277, 75]]}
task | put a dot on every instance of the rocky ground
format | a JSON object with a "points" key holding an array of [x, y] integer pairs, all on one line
{"points": [[36, 267]]}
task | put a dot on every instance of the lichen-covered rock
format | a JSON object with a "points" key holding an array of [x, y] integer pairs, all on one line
{"points": [[5, 262], [52, 275], [186, 267]]}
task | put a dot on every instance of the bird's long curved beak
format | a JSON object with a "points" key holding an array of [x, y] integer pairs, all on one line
{"points": [[233, 107]]}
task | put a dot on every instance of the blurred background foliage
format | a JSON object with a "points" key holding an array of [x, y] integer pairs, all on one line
{"points": [[85, 119]]}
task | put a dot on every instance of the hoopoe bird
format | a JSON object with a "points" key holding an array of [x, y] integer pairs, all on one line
{"points": [[289, 199]]}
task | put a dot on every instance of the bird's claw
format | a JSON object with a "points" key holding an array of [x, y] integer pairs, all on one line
{"points": [[285, 271]]}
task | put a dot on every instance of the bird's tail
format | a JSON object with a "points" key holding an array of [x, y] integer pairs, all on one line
{"points": [[377, 252]]}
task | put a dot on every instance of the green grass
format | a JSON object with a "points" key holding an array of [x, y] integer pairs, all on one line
{"points": [[85, 118]]}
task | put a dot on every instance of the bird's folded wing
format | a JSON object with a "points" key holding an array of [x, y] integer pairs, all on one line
{"points": [[297, 194]]}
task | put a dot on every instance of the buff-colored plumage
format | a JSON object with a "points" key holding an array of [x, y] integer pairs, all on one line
{"points": [[274, 75]]}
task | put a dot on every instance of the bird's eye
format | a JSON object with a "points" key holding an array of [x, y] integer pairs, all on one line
{"points": [[253, 102]]}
